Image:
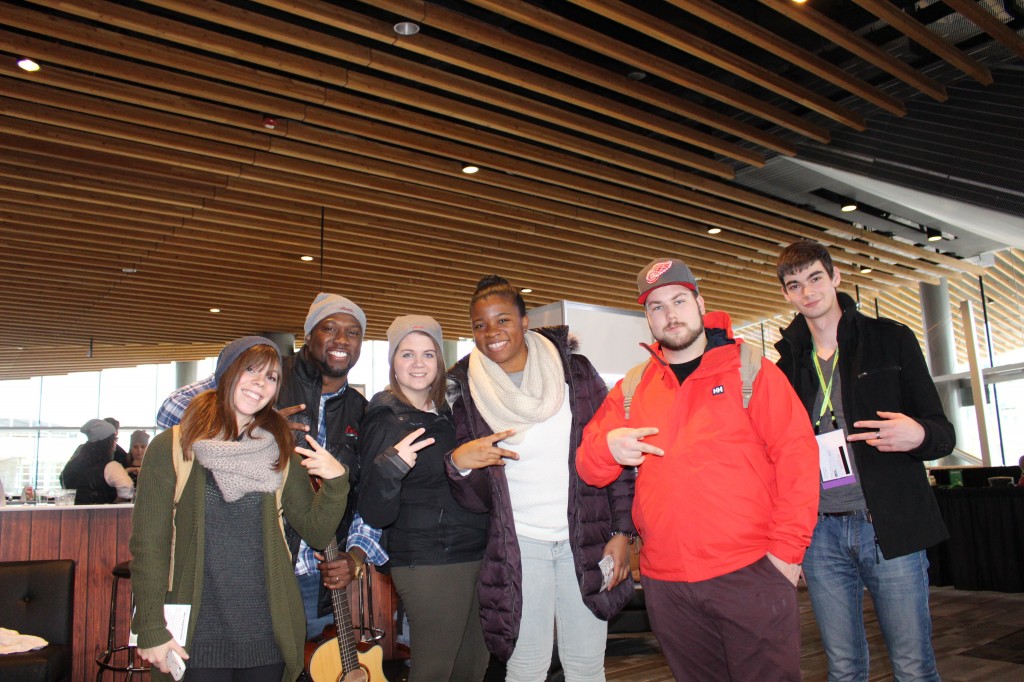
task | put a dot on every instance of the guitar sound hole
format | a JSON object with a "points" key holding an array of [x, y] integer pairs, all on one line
{"points": [[357, 675]]}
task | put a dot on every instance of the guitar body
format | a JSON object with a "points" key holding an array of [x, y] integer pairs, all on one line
{"points": [[325, 664], [342, 658]]}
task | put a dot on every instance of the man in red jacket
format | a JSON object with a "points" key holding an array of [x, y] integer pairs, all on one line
{"points": [[726, 495]]}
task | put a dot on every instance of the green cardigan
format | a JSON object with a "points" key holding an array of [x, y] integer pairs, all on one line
{"points": [[314, 515]]}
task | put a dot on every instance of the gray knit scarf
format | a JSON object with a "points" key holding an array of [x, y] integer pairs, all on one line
{"points": [[243, 466], [502, 404]]}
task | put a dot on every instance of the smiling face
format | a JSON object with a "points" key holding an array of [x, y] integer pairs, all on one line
{"points": [[676, 317], [499, 331], [416, 366], [813, 292], [334, 344], [255, 388]]}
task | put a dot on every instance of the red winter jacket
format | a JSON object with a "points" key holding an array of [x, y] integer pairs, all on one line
{"points": [[734, 483]]}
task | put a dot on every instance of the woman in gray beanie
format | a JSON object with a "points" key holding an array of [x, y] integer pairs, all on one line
{"points": [[91, 471], [220, 541], [435, 545]]}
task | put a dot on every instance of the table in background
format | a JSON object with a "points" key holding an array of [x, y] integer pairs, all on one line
{"points": [[985, 550]]}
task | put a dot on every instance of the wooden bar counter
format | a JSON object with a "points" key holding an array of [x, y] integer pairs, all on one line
{"points": [[96, 538]]}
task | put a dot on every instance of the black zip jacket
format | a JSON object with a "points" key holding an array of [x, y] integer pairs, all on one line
{"points": [[882, 368], [422, 522]]}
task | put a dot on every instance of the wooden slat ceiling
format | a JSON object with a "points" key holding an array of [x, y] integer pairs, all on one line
{"points": [[141, 182]]}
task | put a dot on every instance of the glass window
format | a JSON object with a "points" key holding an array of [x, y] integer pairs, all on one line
{"points": [[69, 400]]}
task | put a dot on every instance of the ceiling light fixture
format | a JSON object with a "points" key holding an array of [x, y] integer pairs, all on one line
{"points": [[214, 310], [933, 234], [865, 269], [129, 271], [470, 168], [28, 65], [527, 291], [714, 230], [636, 75], [407, 28], [306, 258], [848, 205]]}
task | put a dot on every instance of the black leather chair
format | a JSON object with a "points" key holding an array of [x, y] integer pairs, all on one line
{"points": [[38, 598]]}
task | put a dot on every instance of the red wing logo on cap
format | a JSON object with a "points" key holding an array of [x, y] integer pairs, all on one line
{"points": [[657, 270]]}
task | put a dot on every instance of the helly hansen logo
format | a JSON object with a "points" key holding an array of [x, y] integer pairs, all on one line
{"points": [[718, 390]]}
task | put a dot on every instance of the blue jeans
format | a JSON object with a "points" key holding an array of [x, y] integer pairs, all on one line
{"points": [[843, 559], [309, 588], [552, 603]]}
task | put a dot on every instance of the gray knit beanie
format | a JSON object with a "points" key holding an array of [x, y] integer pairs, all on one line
{"points": [[325, 305], [407, 324], [236, 348], [97, 429], [140, 437]]}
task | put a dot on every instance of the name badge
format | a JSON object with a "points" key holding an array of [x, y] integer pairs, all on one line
{"points": [[834, 459]]}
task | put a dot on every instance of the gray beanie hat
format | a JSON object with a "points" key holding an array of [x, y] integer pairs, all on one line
{"points": [[140, 437], [97, 429], [231, 352], [325, 305], [405, 325]]}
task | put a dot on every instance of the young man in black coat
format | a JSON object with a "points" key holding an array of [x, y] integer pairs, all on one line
{"points": [[878, 418]]}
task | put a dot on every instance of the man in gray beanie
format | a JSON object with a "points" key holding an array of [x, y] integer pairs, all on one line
{"points": [[314, 381]]}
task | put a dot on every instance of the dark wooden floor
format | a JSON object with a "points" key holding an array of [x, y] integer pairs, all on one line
{"points": [[978, 636]]}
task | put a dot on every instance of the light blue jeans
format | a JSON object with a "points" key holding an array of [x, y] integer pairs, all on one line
{"points": [[841, 561], [552, 602]]}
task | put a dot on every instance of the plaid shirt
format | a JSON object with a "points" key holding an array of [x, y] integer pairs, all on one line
{"points": [[169, 414], [360, 535]]}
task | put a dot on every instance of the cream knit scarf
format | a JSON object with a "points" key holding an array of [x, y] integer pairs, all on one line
{"points": [[243, 466], [504, 405]]}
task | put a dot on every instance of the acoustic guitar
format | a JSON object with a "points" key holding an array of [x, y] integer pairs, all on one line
{"points": [[341, 658]]}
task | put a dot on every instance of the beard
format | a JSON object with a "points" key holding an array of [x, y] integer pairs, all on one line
{"points": [[683, 339]]}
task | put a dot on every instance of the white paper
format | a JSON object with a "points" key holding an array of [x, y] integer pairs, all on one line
{"points": [[176, 617]]}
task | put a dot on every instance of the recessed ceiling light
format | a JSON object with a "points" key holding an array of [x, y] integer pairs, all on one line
{"points": [[129, 271], [865, 269], [527, 291], [470, 168], [407, 28], [306, 258], [848, 206], [214, 310], [636, 75], [933, 234], [714, 230], [28, 65]]}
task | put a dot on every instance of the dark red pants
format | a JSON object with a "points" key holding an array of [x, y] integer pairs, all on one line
{"points": [[742, 626]]}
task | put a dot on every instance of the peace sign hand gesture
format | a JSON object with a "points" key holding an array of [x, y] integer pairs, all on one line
{"points": [[483, 452], [407, 449]]}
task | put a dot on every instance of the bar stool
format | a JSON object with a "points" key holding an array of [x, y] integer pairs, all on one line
{"points": [[104, 660]]}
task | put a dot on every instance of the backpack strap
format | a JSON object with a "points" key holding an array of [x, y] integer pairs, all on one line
{"points": [[750, 365], [182, 470], [630, 382]]}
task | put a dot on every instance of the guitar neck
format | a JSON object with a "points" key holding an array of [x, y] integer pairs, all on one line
{"points": [[342, 617]]}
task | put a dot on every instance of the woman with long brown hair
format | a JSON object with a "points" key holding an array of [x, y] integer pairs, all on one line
{"points": [[219, 547]]}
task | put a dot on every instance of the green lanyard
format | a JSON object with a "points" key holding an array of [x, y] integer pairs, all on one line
{"points": [[826, 390]]}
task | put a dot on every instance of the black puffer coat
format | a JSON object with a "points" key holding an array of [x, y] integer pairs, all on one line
{"points": [[882, 368], [593, 513]]}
